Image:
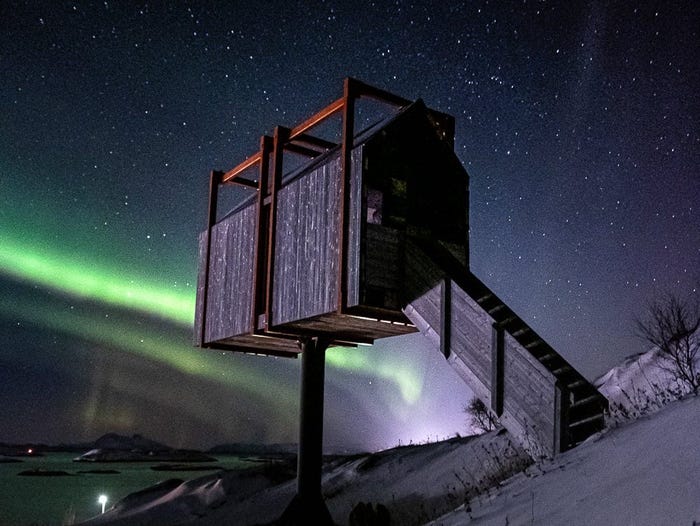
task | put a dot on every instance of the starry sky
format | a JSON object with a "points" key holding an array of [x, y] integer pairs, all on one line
{"points": [[577, 122]]}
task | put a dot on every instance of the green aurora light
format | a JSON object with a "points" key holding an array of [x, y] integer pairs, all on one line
{"points": [[113, 288], [108, 286], [140, 341], [403, 374]]}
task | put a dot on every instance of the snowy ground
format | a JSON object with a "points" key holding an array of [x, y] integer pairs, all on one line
{"points": [[641, 385], [416, 483], [643, 470], [643, 473]]}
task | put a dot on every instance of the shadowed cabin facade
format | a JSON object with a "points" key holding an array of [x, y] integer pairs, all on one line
{"points": [[367, 239]]}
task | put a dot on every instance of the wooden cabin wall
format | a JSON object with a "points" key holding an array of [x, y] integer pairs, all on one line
{"points": [[306, 245], [425, 186], [530, 398], [230, 277], [375, 251], [529, 395], [198, 310]]}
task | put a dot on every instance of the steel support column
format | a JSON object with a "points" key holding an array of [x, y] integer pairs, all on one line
{"points": [[308, 506]]}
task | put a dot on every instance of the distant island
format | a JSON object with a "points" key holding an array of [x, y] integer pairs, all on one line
{"points": [[113, 447], [136, 448], [244, 449]]}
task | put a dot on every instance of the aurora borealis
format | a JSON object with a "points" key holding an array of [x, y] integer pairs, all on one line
{"points": [[578, 124], [109, 287], [126, 332]]}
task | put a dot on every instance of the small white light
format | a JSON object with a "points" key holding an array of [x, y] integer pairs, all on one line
{"points": [[102, 500]]}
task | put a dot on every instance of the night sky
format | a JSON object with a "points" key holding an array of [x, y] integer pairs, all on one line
{"points": [[577, 121]]}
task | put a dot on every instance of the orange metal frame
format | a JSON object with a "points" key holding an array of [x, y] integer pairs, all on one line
{"points": [[271, 153]]}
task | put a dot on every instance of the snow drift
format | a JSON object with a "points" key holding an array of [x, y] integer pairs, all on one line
{"points": [[640, 385]]}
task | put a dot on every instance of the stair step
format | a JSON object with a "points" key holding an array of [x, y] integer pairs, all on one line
{"points": [[538, 351], [585, 401], [587, 420], [562, 370], [521, 331], [581, 433], [581, 412], [533, 344], [548, 357], [509, 320], [575, 384], [496, 309], [484, 299]]}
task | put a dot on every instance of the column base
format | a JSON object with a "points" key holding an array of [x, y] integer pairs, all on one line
{"points": [[300, 513]]}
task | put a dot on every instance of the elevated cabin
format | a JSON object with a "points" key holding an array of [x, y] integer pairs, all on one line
{"points": [[368, 238], [318, 250]]}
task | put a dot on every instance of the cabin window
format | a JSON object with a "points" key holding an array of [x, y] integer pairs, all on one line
{"points": [[388, 207], [375, 205]]}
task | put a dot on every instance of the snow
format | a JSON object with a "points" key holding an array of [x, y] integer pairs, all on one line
{"points": [[640, 385], [414, 482], [641, 471]]}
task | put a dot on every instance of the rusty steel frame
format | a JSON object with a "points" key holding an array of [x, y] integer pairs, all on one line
{"points": [[296, 140], [281, 136], [317, 118], [260, 250], [248, 163]]}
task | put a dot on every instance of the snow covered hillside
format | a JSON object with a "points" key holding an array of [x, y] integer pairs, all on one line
{"points": [[416, 483], [640, 385], [641, 474], [642, 470]]}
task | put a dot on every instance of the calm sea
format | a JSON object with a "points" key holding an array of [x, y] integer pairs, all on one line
{"points": [[50, 501]]}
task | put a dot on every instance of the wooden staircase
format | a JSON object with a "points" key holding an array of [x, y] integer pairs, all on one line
{"points": [[535, 390]]}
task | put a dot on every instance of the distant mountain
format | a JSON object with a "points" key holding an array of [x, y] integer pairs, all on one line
{"points": [[109, 441], [136, 448], [140, 455]]}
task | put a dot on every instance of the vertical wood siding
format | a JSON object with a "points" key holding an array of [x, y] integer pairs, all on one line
{"points": [[383, 267], [197, 335], [230, 292], [529, 397], [306, 246]]}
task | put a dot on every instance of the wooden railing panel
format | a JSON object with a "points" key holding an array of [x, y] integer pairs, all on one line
{"points": [[306, 246], [230, 276]]}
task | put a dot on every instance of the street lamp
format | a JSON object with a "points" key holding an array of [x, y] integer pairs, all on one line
{"points": [[102, 500]]}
